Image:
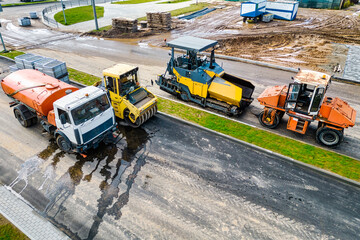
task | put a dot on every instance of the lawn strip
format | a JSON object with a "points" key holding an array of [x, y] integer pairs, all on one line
{"points": [[78, 14], [9, 231], [12, 54], [192, 8]]}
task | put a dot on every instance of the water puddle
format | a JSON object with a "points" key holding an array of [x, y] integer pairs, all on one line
{"points": [[112, 200]]}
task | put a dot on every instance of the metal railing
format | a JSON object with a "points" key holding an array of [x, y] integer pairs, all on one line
{"points": [[67, 4]]}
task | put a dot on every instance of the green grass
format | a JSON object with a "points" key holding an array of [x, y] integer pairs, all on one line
{"points": [[192, 8], [11, 54], [106, 28], [142, 19], [78, 14], [133, 1], [9, 231], [82, 77], [173, 1], [322, 158], [26, 3]]}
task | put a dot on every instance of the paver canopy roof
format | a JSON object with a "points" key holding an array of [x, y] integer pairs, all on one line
{"points": [[192, 43]]}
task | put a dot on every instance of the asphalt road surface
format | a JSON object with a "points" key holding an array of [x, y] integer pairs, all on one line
{"points": [[169, 180]]}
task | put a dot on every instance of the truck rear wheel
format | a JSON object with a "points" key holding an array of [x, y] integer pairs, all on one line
{"points": [[266, 122], [63, 144], [328, 136], [24, 122]]}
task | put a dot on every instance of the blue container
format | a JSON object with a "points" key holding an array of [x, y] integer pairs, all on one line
{"points": [[285, 10], [25, 21], [253, 8], [33, 15]]}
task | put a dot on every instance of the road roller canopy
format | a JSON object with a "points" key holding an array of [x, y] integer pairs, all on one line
{"points": [[313, 78], [189, 43], [120, 71]]}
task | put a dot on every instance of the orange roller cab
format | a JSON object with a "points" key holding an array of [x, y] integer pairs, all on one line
{"points": [[304, 101]]}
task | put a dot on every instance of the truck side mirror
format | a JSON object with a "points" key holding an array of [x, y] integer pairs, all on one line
{"points": [[63, 118]]}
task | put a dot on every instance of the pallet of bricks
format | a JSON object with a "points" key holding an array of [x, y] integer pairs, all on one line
{"points": [[125, 25], [49, 66], [159, 20]]}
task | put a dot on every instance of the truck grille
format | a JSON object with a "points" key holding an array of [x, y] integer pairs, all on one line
{"points": [[96, 131]]}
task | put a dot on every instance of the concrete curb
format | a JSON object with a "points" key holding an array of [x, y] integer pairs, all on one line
{"points": [[7, 58], [301, 164]]}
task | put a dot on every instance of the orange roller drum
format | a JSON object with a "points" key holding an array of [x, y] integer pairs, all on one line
{"points": [[35, 89]]}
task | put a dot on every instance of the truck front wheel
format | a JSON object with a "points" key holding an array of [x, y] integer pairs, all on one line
{"points": [[328, 136], [63, 144]]}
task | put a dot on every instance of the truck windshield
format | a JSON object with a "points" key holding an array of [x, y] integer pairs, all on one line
{"points": [[90, 109]]}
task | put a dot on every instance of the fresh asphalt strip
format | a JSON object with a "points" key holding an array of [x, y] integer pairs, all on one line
{"points": [[316, 169]]}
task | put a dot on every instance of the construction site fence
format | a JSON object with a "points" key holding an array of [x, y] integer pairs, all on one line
{"points": [[67, 4]]}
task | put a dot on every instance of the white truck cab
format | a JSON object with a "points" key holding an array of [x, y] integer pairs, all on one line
{"points": [[83, 119]]}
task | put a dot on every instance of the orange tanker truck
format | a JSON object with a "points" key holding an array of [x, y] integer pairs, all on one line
{"points": [[304, 102], [78, 119]]}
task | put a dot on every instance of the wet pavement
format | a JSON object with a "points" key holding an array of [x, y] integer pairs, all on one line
{"points": [[170, 180]]}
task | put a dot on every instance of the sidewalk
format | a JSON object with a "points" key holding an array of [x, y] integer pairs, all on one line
{"points": [[26, 219], [111, 11]]}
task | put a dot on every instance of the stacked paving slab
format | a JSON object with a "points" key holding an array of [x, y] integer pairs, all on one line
{"points": [[159, 20], [49, 66], [125, 25]]}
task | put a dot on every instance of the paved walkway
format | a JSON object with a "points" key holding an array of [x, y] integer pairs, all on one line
{"points": [[111, 11], [26, 219]]}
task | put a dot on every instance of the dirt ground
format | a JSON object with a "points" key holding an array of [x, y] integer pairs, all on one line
{"points": [[317, 39]]}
